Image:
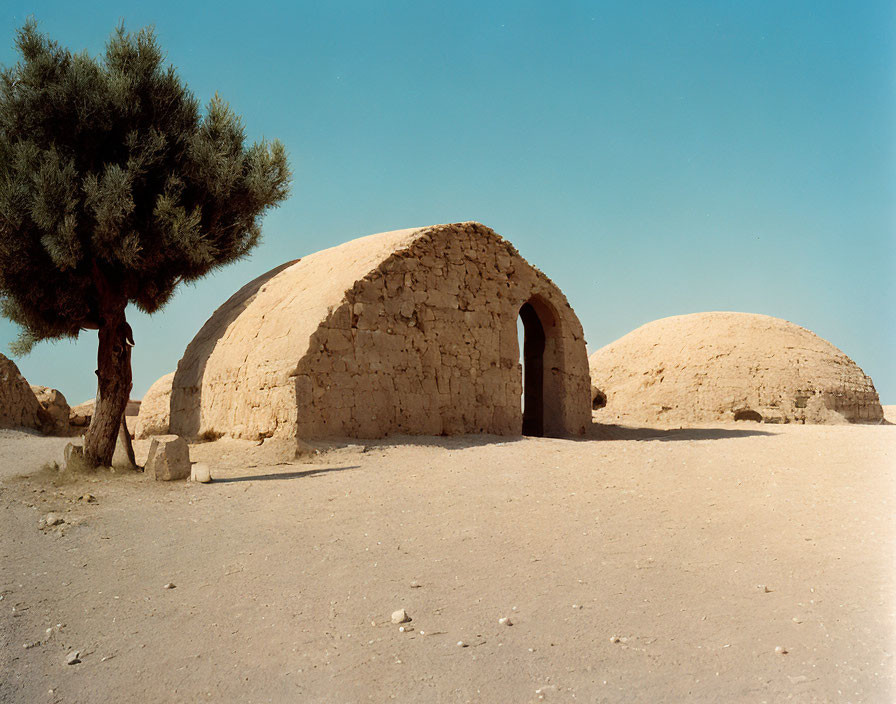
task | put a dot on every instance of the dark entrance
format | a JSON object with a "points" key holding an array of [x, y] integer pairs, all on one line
{"points": [[533, 371]]}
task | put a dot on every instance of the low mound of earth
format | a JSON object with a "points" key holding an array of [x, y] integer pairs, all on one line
{"points": [[634, 564], [716, 367]]}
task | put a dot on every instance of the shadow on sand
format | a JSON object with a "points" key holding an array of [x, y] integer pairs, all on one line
{"points": [[283, 475], [601, 431], [598, 432]]}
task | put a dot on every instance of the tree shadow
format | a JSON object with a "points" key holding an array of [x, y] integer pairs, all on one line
{"points": [[283, 475]]}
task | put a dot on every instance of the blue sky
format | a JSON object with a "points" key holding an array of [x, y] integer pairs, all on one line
{"points": [[652, 158]]}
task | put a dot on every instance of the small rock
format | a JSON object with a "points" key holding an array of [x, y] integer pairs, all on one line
{"points": [[796, 620], [73, 658], [400, 616], [170, 585], [781, 650], [614, 639], [28, 646], [461, 644], [415, 584], [402, 629], [87, 498], [51, 519], [504, 621], [169, 458], [201, 473]]}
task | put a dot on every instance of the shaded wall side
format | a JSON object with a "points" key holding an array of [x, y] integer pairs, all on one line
{"points": [[237, 378], [427, 344], [219, 396]]}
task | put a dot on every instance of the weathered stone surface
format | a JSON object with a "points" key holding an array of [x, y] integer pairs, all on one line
{"points": [[56, 407], [710, 367], [19, 407], [413, 331], [169, 458], [155, 413]]}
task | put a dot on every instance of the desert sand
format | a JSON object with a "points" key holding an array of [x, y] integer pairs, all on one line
{"points": [[634, 565]]}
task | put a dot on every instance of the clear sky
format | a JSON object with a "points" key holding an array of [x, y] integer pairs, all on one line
{"points": [[652, 158]]}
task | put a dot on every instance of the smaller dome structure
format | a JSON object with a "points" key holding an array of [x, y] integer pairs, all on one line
{"points": [[711, 367]]}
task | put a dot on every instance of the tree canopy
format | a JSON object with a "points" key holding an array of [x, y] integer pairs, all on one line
{"points": [[111, 178], [113, 190]]}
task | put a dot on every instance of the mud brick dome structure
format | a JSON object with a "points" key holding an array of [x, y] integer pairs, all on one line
{"points": [[710, 367], [410, 332]]}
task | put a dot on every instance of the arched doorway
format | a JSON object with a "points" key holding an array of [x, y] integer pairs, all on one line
{"points": [[533, 370]]}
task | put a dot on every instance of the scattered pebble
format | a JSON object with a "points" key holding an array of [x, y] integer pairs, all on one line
{"points": [[796, 620], [577, 606], [764, 588], [52, 519], [201, 473], [781, 650], [415, 584], [401, 629], [170, 585], [73, 658], [504, 621], [87, 498], [614, 639], [28, 646], [400, 616], [461, 644]]}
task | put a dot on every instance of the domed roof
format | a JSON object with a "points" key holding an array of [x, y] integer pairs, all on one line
{"points": [[710, 367]]}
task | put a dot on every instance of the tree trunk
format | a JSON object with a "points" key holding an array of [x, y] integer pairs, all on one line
{"points": [[124, 458], [113, 386]]}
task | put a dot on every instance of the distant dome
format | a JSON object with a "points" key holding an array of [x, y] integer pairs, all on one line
{"points": [[710, 367]]}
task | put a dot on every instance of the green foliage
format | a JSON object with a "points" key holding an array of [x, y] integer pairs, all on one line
{"points": [[111, 180]]}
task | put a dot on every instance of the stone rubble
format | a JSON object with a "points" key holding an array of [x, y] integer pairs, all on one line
{"points": [[168, 459], [56, 408], [19, 407]]}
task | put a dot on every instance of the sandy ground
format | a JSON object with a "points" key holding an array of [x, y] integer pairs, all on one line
{"points": [[636, 565]]}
